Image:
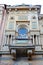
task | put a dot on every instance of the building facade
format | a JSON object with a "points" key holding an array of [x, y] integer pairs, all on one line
{"points": [[21, 25]]}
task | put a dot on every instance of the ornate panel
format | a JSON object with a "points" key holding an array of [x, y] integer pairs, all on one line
{"points": [[22, 17]]}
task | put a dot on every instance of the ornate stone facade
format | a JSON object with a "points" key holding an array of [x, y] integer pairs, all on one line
{"points": [[21, 25]]}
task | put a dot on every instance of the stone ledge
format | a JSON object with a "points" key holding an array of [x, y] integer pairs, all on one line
{"points": [[5, 52], [38, 52]]}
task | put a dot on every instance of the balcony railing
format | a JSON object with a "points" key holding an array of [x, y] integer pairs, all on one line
{"points": [[23, 41]]}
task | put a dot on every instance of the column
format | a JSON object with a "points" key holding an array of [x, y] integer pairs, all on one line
{"points": [[8, 40], [5, 39], [0, 45], [11, 40], [36, 40], [33, 40], [14, 40], [39, 39]]}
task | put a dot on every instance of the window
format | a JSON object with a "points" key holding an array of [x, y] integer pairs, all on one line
{"points": [[34, 25], [11, 25], [22, 33]]}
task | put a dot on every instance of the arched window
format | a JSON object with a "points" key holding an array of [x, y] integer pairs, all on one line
{"points": [[22, 35], [22, 32]]}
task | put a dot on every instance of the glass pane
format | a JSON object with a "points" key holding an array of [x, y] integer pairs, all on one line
{"points": [[34, 25], [22, 31]]}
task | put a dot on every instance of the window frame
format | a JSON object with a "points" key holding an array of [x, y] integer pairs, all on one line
{"points": [[34, 24], [11, 25]]}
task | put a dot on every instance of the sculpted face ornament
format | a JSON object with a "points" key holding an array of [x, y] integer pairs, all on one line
{"points": [[34, 17]]}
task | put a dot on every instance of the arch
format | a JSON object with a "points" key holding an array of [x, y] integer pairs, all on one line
{"points": [[22, 26], [22, 31]]}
